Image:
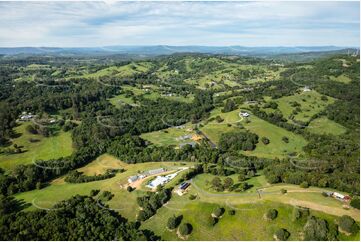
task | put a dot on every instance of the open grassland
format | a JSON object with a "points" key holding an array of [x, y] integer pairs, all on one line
{"points": [[236, 227], [341, 78], [310, 103], [169, 136], [276, 147], [120, 71], [325, 126], [45, 148], [150, 92]]}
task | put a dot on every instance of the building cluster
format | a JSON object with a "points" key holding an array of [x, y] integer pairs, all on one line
{"points": [[339, 196], [26, 116], [132, 179]]}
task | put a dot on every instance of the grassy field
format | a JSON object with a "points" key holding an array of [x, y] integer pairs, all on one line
{"points": [[246, 224], [341, 78], [310, 102], [168, 136], [325, 126], [46, 148], [276, 147], [123, 201], [120, 71]]}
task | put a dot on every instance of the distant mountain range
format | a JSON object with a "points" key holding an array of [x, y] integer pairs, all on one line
{"points": [[166, 50]]}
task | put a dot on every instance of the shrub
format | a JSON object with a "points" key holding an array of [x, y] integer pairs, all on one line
{"points": [[94, 192], [174, 221], [106, 196], [271, 214], [265, 140], [285, 139], [299, 213], [218, 212], [318, 229], [212, 221], [232, 212], [192, 197], [129, 189], [304, 184], [281, 234], [185, 229], [347, 224], [355, 202], [283, 191]]}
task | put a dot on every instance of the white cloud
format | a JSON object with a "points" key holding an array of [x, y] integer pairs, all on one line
{"points": [[178, 23]]}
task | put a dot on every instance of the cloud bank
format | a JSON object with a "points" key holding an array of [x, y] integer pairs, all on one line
{"points": [[87, 24]]}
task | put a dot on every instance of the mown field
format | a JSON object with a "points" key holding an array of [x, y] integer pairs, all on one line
{"points": [[323, 125], [45, 148], [276, 147], [246, 224], [310, 103]]}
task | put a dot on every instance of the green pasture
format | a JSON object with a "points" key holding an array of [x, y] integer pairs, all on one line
{"points": [[45, 148]]}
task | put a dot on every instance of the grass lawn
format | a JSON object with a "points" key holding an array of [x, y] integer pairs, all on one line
{"points": [[276, 147], [46, 148], [310, 104], [323, 125]]}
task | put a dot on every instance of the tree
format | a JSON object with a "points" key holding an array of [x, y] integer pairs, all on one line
{"points": [[304, 184], [285, 139], [185, 229], [242, 177], [93, 193], [347, 225], [230, 105], [265, 140], [281, 234], [271, 214], [212, 220], [129, 189], [231, 212], [228, 183], [174, 221], [318, 229], [218, 212], [217, 184], [283, 191], [355, 202]]}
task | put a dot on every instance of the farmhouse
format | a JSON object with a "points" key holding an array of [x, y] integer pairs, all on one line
{"points": [[133, 179], [155, 171], [244, 114], [306, 89], [26, 116]]}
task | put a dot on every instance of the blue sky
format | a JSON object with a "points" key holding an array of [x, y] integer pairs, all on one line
{"points": [[77, 24]]}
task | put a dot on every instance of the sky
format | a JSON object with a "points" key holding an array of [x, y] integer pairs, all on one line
{"points": [[99, 23]]}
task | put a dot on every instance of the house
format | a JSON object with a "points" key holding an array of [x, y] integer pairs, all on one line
{"points": [[306, 89], [26, 116], [133, 179], [244, 114], [155, 171], [184, 185]]}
